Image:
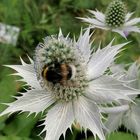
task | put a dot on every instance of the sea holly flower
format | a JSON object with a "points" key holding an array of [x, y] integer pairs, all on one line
{"points": [[115, 19], [67, 78], [128, 114]]}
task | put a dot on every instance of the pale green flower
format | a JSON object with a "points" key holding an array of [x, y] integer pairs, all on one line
{"points": [[114, 19], [75, 99]]}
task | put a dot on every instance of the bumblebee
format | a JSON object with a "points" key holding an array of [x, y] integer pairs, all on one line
{"points": [[58, 73]]}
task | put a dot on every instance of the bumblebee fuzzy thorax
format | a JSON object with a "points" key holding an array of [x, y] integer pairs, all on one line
{"points": [[59, 68], [58, 73]]}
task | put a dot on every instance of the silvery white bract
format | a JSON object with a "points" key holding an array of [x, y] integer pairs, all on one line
{"points": [[79, 99], [115, 19], [129, 113]]}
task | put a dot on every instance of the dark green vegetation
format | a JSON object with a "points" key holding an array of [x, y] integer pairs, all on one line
{"points": [[37, 19]]}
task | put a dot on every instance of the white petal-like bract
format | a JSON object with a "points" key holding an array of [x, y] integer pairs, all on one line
{"points": [[58, 120], [27, 72], [108, 89], [102, 59], [88, 116], [32, 101]]}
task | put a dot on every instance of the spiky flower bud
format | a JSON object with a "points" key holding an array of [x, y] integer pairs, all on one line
{"points": [[115, 14]]}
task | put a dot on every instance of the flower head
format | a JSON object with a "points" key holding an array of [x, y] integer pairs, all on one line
{"points": [[69, 79], [115, 14], [115, 19], [60, 69]]}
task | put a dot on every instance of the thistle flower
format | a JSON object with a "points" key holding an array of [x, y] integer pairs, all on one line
{"points": [[129, 113], [68, 79], [115, 19]]}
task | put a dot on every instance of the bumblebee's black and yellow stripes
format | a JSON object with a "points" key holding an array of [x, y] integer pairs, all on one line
{"points": [[59, 73]]}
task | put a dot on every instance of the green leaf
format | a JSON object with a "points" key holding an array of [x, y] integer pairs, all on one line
{"points": [[21, 125], [121, 136], [84, 4], [13, 138], [7, 89], [118, 136]]}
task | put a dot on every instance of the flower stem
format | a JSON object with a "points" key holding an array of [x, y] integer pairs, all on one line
{"points": [[74, 135], [115, 109]]}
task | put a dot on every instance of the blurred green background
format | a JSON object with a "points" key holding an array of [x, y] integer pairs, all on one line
{"points": [[37, 19]]}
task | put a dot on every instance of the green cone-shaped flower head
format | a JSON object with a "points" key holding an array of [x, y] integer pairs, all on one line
{"points": [[115, 14]]}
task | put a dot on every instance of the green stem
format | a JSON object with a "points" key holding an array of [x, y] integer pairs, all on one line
{"points": [[75, 132]]}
